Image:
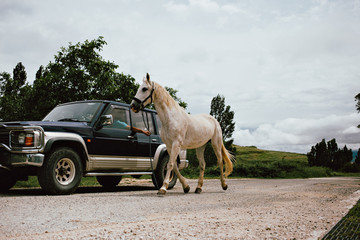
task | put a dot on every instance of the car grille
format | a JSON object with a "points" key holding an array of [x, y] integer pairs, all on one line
{"points": [[4, 137]]}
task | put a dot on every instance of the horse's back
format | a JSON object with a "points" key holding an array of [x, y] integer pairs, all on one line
{"points": [[201, 128], [205, 120]]}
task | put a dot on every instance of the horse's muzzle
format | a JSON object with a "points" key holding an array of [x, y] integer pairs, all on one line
{"points": [[135, 106]]}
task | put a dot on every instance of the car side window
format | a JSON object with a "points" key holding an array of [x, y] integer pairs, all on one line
{"points": [[142, 120], [121, 118]]}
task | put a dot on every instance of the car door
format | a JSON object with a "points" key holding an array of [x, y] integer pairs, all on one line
{"points": [[115, 139], [146, 145]]}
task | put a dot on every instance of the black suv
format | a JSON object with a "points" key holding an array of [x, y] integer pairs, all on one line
{"points": [[86, 138]]}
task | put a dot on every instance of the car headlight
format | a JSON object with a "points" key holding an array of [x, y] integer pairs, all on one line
{"points": [[25, 138]]}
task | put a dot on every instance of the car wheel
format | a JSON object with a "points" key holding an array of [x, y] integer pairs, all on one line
{"points": [[7, 180], [61, 172], [160, 174], [108, 181]]}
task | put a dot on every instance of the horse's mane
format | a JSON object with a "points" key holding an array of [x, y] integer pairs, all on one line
{"points": [[163, 96]]}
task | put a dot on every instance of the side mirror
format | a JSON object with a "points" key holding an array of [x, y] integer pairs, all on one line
{"points": [[105, 120]]}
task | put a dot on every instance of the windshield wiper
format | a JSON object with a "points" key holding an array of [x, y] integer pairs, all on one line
{"points": [[68, 120]]}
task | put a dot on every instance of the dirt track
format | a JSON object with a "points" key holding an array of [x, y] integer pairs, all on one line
{"points": [[249, 209]]}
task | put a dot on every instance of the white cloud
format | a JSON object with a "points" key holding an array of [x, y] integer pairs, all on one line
{"points": [[351, 130], [278, 64], [295, 134]]}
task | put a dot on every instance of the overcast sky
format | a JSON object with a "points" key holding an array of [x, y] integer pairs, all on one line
{"points": [[288, 69]]}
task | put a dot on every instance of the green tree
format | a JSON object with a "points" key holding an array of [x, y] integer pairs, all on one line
{"points": [[357, 161], [342, 157], [80, 73], [332, 154], [320, 155], [312, 157], [14, 94], [224, 116], [357, 98], [357, 158], [329, 155]]}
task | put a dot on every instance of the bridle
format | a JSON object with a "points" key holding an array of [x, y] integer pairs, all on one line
{"points": [[142, 102]]}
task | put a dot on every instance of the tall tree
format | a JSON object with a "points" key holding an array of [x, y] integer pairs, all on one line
{"points": [[80, 73], [14, 94], [357, 158], [224, 116], [357, 98], [329, 155]]}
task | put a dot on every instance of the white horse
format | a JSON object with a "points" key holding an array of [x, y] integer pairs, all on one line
{"points": [[183, 131]]}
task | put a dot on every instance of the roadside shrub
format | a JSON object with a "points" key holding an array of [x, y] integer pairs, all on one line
{"points": [[351, 168]]}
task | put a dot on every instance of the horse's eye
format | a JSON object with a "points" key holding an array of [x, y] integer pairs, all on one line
{"points": [[144, 89]]}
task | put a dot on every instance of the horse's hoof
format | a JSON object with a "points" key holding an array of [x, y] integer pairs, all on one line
{"points": [[225, 187], [187, 189], [161, 192], [198, 190]]}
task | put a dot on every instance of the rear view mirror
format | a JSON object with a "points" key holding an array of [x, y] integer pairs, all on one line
{"points": [[105, 120]]}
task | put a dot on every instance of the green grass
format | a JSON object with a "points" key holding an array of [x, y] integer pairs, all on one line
{"points": [[251, 162], [254, 162], [33, 182]]}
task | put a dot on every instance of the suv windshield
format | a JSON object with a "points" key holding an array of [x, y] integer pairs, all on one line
{"points": [[75, 112]]}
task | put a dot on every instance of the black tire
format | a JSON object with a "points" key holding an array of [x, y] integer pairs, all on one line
{"points": [[7, 179], [108, 181], [160, 174], [61, 172]]}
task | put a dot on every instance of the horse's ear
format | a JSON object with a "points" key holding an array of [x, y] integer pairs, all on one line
{"points": [[148, 77]]}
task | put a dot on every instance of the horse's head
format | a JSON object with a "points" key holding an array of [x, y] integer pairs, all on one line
{"points": [[144, 95]]}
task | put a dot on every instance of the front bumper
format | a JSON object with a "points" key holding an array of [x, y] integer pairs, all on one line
{"points": [[14, 153], [21, 159], [36, 159]]}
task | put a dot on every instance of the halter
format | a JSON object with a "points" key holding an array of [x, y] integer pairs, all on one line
{"points": [[150, 96]]}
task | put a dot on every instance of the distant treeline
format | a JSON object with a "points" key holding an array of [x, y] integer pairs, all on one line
{"points": [[328, 154]]}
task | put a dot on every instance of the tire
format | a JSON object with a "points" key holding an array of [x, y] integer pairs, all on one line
{"points": [[108, 181], [7, 180], [160, 173], [61, 172]]}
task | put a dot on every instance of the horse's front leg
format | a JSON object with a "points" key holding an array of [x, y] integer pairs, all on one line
{"points": [[174, 152], [182, 180]]}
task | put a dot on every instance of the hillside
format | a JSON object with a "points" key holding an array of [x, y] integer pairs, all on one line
{"points": [[253, 162], [254, 154]]}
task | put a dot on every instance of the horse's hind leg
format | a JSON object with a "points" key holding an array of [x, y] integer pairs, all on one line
{"points": [[202, 164], [217, 149]]}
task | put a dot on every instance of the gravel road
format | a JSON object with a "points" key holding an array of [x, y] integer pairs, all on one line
{"points": [[249, 209]]}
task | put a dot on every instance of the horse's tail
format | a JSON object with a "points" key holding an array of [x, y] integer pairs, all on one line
{"points": [[228, 158]]}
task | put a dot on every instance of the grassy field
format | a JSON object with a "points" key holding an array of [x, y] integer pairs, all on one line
{"points": [[251, 162], [254, 162]]}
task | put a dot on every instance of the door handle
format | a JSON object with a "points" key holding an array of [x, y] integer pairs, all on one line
{"points": [[154, 140]]}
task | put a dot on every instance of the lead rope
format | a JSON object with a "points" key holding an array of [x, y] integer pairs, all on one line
{"points": [[151, 160]]}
